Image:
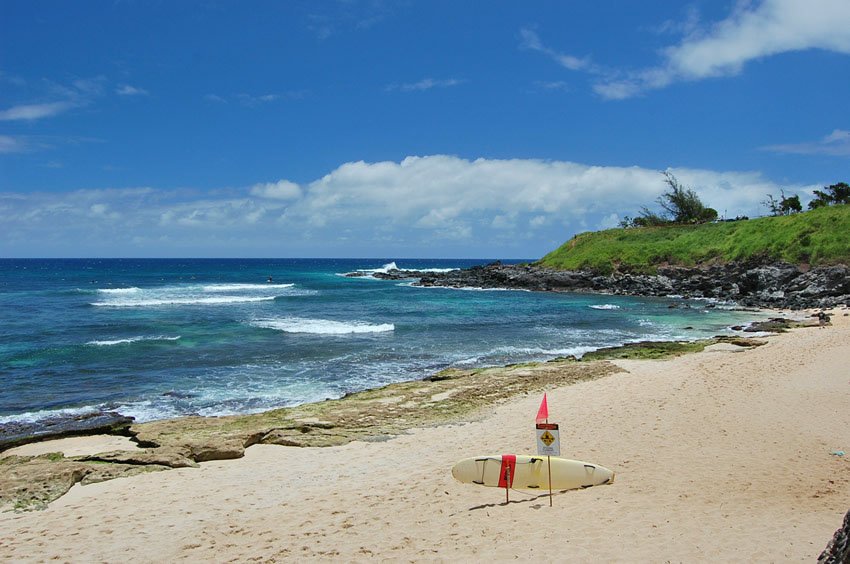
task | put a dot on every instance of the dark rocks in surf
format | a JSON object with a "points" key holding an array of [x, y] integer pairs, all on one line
{"points": [[774, 285], [106, 422], [391, 274]]}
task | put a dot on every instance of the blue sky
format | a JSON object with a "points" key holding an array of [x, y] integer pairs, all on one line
{"points": [[365, 128]]}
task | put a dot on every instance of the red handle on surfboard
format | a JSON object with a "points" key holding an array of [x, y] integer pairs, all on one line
{"points": [[508, 471]]}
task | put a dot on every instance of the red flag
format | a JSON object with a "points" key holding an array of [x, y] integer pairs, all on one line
{"points": [[543, 412]]}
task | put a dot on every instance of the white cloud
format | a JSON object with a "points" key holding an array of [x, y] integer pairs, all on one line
{"points": [[280, 190], [530, 40], [252, 100], [503, 221], [438, 191], [10, 144], [610, 221], [206, 216], [330, 18], [431, 205], [835, 144], [617, 90], [78, 93], [84, 87], [687, 26], [34, 111], [425, 84], [752, 31], [552, 86], [215, 98], [538, 221], [255, 100], [773, 27], [102, 211], [127, 90]]}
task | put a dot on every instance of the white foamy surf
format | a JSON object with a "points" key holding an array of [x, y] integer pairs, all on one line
{"points": [[371, 272], [321, 326], [604, 306], [497, 356], [119, 291], [183, 301], [193, 294], [107, 343], [245, 287]]}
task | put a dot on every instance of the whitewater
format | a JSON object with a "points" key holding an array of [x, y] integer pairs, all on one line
{"points": [[156, 339]]}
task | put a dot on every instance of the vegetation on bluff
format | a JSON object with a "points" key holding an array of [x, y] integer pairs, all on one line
{"points": [[817, 237], [681, 206]]}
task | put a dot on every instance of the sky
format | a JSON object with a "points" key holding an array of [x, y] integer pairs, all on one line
{"points": [[403, 129]]}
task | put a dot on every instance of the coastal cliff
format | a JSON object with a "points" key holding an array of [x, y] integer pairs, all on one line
{"points": [[796, 261]]}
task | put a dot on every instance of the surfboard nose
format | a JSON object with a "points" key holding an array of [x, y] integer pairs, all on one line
{"points": [[465, 471]]}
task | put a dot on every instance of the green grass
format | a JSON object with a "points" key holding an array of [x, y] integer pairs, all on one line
{"points": [[818, 237]]}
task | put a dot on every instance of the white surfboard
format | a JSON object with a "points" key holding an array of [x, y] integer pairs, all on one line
{"points": [[528, 472]]}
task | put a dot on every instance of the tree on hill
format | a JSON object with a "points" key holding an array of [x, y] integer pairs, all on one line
{"points": [[785, 205], [835, 194], [681, 205]]}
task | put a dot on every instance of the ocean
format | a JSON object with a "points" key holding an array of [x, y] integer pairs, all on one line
{"points": [[163, 338]]}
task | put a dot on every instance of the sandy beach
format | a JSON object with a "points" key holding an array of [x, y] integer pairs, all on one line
{"points": [[724, 455]]}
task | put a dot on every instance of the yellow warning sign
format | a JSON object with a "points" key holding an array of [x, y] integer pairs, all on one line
{"points": [[548, 439]]}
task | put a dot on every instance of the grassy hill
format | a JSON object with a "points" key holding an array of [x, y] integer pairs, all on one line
{"points": [[817, 237]]}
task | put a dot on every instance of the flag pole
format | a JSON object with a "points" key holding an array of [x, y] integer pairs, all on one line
{"points": [[543, 415], [549, 463]]}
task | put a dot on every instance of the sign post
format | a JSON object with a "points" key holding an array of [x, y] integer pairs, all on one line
{"points": [[548, 444]]}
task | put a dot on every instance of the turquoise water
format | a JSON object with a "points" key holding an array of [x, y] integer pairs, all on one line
{"points": [[164, 338]]}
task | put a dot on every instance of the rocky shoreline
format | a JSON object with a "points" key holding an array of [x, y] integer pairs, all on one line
{"points": [[450, 396], [771, 413], [31, 482], [778, 285], [758, 285], [445, 397]]}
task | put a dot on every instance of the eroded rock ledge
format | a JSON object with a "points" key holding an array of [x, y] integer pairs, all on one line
{"points": [[95, 423]]}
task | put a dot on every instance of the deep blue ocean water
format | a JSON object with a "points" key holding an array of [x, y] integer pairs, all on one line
{"points": [[159, 338]]}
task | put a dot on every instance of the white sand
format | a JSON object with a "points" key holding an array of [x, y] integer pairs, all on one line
{"points": [[720, 456]]}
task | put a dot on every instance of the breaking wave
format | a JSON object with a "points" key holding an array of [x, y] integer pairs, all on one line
{"points": [[132, 340], [192, 294], [321, 326], [245, 287], [371, 272]]}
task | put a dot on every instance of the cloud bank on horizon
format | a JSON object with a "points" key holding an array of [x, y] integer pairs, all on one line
{"points": [[297, 137], [382, 208]]}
